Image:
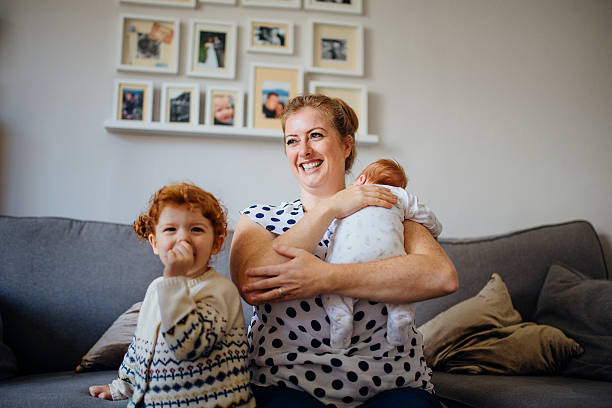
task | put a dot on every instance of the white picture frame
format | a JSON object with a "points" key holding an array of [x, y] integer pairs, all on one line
{"points": [[148, 44], [335, 47], [228, 2], [355, 95], [133, 100], [354, 7], [292, 4], [270, 36], [206, 36], [234, 97], [180, 103], [286, 81], [166, 3]]}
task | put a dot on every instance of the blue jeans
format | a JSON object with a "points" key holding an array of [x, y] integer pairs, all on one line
{"points": [[279, 397]]}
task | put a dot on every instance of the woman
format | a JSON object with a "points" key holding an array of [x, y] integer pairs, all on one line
{"points": [[276, 263]]}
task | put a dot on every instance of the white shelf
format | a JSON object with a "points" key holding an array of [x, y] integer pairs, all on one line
{"points": [[177, 129]]}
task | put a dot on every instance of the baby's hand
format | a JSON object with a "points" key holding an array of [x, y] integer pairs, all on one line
{"points": [[100, 391], [179, 260]]}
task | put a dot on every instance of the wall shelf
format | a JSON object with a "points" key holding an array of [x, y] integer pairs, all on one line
{"points": [[175, 129]]}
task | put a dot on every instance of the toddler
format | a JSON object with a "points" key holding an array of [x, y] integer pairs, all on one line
{"points": [[370, 234], [190, 345]]}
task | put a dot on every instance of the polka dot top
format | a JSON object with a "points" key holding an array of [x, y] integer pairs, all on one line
{"points": [[289, 342]]}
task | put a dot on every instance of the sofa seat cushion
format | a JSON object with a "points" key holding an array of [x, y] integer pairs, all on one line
{"points": [[63, 389], [500, 391]]}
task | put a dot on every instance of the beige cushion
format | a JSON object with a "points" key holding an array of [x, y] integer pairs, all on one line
{"points": [[109, 350], [484, 334]]}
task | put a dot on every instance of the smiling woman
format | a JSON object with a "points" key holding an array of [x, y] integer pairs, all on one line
{"points": [[277, 263]]}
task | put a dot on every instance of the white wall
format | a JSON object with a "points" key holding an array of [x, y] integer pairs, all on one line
{"points": [[500, 111]]}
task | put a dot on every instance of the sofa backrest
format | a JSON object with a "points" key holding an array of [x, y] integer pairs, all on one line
{"points": [[522, 259]]}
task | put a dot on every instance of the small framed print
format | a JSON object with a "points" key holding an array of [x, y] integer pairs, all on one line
{"points": [[296, 4], [170, 3], [356, 96], [180, 103], [270, 36], [339, 6], [133, 100], [337, 48], [271, 87], [212, 49], [148, 44], [224, 106]]}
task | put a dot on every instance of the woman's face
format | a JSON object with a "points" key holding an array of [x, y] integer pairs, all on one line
{"points": [[315, 152]]}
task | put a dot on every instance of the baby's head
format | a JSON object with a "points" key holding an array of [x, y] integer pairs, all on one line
{"points": [[383, 171], [223, 108], [181, 205]]}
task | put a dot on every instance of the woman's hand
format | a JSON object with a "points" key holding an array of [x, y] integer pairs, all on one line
{"points": [[299, 278], [355, 197]]}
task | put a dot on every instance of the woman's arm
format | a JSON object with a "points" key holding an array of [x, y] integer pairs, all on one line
{"points": [[425, 272]]}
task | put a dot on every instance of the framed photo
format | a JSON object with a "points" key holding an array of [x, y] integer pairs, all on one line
{"points": [[180, 103], [218, 1], [148, 44], [170, 3], [224, 106], [296, 4], [355, 95], [337, 48], [133, 100], [340, 6], [271, 87], [270, 36], [212, 49]]}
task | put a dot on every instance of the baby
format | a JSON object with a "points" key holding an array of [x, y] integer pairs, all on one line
{"points": [[370, 234], [223, 110], [190, 346]]}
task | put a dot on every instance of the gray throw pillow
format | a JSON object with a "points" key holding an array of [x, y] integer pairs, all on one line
{"points": [[8, 363], [582, 309]]}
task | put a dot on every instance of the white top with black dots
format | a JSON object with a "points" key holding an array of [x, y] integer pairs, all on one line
{"points": [[289, 341]]}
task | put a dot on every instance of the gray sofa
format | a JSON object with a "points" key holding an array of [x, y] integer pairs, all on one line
{"points": [[64, 281]]}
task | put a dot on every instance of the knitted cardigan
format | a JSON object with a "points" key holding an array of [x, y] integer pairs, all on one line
{"points": [[190, 347]]}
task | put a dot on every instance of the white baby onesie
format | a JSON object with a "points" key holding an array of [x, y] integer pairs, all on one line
{"points": [[370, 234]]}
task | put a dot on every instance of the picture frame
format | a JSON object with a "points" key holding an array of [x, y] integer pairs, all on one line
{"points": [[219, 99], [271, 36], [355, 95], [148, 44], [353, 6], [270, 87], [293, 4], [335, 48], [133, 100], [212, 49], [229, 2], [180, 103], [168, 3]]}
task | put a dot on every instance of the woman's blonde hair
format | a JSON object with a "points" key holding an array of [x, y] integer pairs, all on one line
{"points": [[341, 116]]}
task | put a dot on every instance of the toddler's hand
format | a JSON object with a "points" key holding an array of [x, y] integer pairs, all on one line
{"points": [[100, 391], [179, 260]]}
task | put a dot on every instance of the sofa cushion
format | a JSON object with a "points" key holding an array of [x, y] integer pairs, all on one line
{"points": [[109, 350], [582, 308], [8, 364], [484, 335]]}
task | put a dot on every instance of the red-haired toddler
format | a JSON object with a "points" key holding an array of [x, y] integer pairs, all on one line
{"points": [[190, 347]]}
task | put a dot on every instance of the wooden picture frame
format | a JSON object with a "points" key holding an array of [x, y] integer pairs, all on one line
{"points": [[356, 96], [133, 100], [271, 36], [224, 106], [271, 86], [212, 49], [148, 44], [354, 6], [335, 48], [180, 103], [293, 4], [168, 3]]}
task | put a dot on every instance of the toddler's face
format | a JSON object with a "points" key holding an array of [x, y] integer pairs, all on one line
{"points": [[178, 223], [223, 110]]}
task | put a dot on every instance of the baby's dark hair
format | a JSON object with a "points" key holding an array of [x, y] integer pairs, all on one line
{"points": [[179, 194], [385, 171]]}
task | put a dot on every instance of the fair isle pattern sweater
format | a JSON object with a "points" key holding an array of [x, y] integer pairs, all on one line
{"points": [[190, 347]]}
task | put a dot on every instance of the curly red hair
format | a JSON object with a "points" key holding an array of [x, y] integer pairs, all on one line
{"points": [[182, 194], [385, 171]]}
